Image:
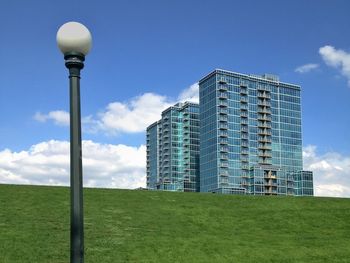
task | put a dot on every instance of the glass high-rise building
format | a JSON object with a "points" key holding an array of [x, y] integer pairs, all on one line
{"points": [[250, 136], [173, 149]]}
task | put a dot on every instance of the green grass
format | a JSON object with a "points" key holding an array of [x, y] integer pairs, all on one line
{"points": [[145, 226]]}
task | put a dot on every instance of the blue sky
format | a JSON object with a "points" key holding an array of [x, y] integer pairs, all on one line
{"points": [[161, 48]]}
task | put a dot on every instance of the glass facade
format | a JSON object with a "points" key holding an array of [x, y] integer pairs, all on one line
{"points": [[250, 136], [173, 149]]}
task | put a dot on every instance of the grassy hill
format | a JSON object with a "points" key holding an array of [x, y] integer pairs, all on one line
{"points": [[143, 226]]}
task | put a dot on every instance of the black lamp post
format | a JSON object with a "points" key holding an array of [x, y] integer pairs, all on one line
{"points": [[74, 40]]}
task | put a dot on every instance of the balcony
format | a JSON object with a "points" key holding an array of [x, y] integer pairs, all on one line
{"points": [[224, 156], [244, 159], [244, 90], [244, 107], [245, 167], [244, 129], [264, 95], [264, 154], [264, 125], [223, 104], [264, 139], [223, 96], [264, 103], [223, 126], [264, 146], [244, 99], [223, 118], [244, 152], [222, 81], [223, 134], [223, 111], [265, 111], [264, 132], [222, 87], [223, 141], [244, 121], [244, 145], [223, 149], [244, 136], [244, 114], [224, 165], [264, 161], [223, 173]]}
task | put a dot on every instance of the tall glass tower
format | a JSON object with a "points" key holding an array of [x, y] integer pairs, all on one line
{"points": [[250, 136], [173, 149]]}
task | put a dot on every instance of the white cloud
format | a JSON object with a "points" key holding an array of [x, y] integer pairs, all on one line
{"points": [[337, 58], [132, 116], [190, 94], [331, 172], [122, 166], [306, 68], [47, 163], [59, 117]]}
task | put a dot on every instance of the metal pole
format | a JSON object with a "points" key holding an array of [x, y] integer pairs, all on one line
{"points": [[74, 62]]}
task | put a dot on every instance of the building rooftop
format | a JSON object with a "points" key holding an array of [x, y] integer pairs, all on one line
{"points": [[269, 78]]}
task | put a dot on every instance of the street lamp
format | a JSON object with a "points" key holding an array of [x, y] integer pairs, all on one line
{"points": [[74, 40]]}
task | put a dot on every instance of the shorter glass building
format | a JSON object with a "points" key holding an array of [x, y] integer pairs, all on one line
{"points": [[173, 150]]}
